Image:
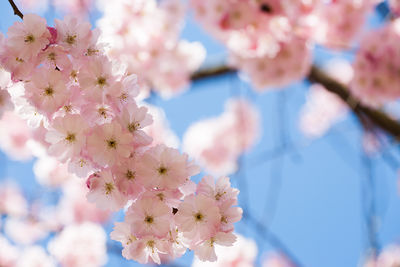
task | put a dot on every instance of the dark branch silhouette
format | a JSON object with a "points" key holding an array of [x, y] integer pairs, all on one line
{"points": [[16, 10]]}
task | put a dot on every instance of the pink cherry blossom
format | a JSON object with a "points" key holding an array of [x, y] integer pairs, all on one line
{"points": [[205, 251], [73, 34], [104, 192], [67, 137], [28, 37], [96, 78], [165, 168], [198, 216], [109, 143], [147, 249], [134, 119], [46, 91], [149, 217], [242, 253]]}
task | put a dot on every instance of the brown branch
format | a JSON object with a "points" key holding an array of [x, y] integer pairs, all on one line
{"points": [[16, 10], [369, 117]]}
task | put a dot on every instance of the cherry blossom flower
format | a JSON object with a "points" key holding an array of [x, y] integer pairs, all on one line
{"points": [[198, 216], [147, 249], [46, 91], [206, 250], [72, 34], [242, 253], [28, 37], [149, 217], [165, 168], [109, 143], [123, 233], [104, 192], [67, 137]]}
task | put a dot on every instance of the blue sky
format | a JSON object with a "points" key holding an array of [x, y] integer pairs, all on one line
{"points": [[317, 191]]}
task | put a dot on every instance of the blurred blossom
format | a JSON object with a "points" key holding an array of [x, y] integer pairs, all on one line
{"points": [[34, 6], [9, 254], [80, 245], [12, 202], [35, 256], [370, 143], [26, 230], [218, 142], [160, 130], [376, 66], [389, 257], [321, 110], [241, 254], [50, 172], [15, 136], [277, 260], [79, 8], [73, 206], [144, 35]]}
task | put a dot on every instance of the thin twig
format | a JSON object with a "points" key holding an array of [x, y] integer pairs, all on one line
{"points": [[271, 238], [16, 10]]}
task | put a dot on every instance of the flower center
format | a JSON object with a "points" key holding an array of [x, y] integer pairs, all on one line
{"points": [[71, 39], [219, 195], [149, 219], [198, 217], [162, 170], [48, 91], [101, 81], [51, 56], [133, 126], [70, 137], [103, 112], [109, 187], [130, 175], [112, 143], [29, 38]]}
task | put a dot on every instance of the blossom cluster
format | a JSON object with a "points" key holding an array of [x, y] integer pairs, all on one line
{"points": [[377, 66], [218, 142], [144, 35], [86, 116], [73, 221], [270, 41]]}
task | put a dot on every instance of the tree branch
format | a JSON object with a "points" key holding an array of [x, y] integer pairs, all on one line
{"points": [[367, 115], [16, 10]]}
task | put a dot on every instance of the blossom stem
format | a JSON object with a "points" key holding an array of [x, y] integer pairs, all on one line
{"points": [[16, 10]]}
